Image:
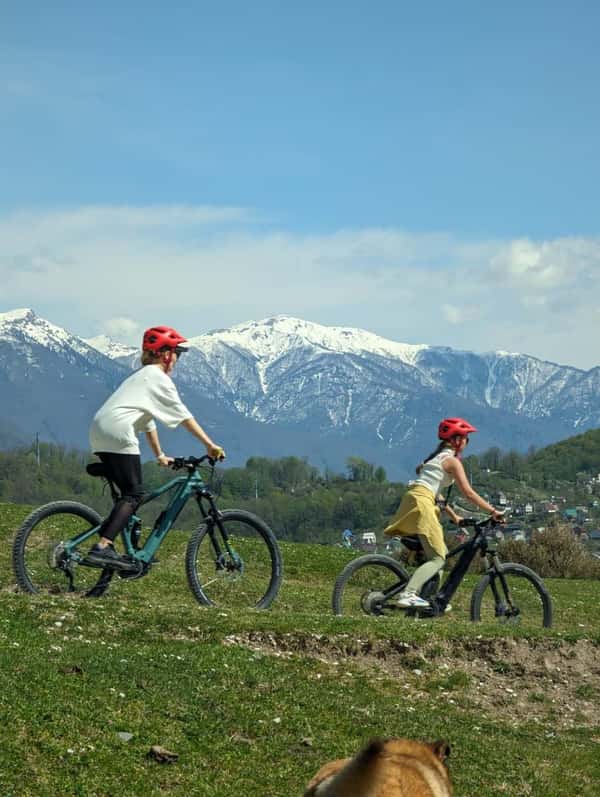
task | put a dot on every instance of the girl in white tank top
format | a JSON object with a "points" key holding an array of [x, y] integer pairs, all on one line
{"points": [[418, 513]]}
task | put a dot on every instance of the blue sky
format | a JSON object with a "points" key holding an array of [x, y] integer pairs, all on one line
{"points": [[426, 171]]}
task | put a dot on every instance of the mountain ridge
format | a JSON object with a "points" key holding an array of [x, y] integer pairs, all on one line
{"points": [[296, 387]]}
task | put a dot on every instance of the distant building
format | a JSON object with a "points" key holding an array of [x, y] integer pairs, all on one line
{"points": [[500, 499], [549, 507], [368, 542]]}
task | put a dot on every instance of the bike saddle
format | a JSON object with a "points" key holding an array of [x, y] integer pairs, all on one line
{"points": [[96, 469], [412, 543]]}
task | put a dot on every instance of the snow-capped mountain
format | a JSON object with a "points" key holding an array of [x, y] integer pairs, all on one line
{"points": [[110, 347], [49, 380], [279, 358], [284, 386]]}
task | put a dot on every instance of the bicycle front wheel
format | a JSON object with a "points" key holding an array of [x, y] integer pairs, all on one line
{"points": [[241, 569], [40, 562], [513, 594], [368, 585]]}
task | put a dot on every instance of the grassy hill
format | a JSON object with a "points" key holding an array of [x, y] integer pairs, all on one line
{"points": [[253, 702], [570, 457]]}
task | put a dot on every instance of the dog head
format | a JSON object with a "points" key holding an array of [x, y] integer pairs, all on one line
{"points": [[387, 768]]}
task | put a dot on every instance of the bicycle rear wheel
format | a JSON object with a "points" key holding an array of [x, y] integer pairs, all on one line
{"points": [[248, 577], [368, 585], [513, 595], [39, 560]]}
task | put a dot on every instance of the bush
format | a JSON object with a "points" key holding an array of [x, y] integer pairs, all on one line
{"points": [[552, 553]]}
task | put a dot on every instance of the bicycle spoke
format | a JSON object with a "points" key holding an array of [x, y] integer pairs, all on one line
{"points": [[245, 573], [41, 562], [368, 585], [515, 599]]}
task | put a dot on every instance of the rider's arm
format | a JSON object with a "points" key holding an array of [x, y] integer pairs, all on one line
{"points": [[154, 443], [453, 516], [454, 467], [213, 450]]}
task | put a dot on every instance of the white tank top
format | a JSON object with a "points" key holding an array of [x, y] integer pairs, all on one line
{"points": [[433, 476]]}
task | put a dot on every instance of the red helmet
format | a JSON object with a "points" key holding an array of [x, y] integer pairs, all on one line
{"points": [[160, 338], [450, 427]]}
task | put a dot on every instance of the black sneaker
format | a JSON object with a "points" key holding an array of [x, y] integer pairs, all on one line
{"points": [[103, 556]]}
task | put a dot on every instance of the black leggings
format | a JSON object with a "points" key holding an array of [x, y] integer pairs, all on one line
{"points": [[125, 470]]}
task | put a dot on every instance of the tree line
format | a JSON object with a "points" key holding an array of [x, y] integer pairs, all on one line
{"points": [[297, 500]]}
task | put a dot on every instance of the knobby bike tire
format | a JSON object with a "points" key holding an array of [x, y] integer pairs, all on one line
{"points": [[355, 565], [512, 572], [225, 593], [69, 510]]}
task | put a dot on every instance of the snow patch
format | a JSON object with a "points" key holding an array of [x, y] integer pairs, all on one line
{"points": [[109, 347], [348, 408], [17, 315], [40, 331], [267, 340]]}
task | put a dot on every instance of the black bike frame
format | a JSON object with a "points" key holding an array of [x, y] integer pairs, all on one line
{"points": [[469, 549]]}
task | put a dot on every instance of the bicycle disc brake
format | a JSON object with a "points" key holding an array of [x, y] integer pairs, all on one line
{"points": [[508, 614], [57, 556], [372, 602], [230, 566]]}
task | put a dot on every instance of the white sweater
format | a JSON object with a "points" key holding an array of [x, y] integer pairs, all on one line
{"points": [[147, 394]]}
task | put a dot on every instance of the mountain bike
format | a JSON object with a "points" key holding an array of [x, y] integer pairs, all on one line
{"points": [[508, 593], [232, 558]]}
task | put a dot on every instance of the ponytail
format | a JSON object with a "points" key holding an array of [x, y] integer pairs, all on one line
{"points": [[442, 445]]}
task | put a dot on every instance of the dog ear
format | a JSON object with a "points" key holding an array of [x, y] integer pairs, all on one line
{"points": [[441, 748]]}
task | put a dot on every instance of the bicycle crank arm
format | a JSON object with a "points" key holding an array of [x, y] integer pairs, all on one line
{"points": [[123, 567]]}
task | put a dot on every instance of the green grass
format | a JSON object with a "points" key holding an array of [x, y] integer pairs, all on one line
{"points": [[147, 660]]}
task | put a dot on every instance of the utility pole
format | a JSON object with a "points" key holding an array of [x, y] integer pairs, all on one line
{"points": [[37, 448]]}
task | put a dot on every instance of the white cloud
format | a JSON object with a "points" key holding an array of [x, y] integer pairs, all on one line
{"points": [[453, 314], [123, 268], [533, 267], [122, 329]]}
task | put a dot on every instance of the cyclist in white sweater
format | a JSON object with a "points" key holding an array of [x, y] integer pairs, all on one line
{"points": [[147, 394]]}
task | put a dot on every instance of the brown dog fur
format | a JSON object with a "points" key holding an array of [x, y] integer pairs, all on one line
{"points": [[387, 768]]}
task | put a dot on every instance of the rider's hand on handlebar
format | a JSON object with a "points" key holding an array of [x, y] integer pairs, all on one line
{"points": [[498, 516], [215, 452], [164, 461]]}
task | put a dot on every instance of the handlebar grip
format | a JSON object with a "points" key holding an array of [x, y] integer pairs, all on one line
{"points": [[191, 462]]}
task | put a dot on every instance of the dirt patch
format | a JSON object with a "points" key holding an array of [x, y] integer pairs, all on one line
{"points": [[518, 680]]}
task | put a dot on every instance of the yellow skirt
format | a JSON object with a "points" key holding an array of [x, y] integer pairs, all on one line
{"points": [[418, 514]]}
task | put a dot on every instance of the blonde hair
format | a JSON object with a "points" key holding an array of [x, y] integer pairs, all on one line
{"points": [[150, 357]]}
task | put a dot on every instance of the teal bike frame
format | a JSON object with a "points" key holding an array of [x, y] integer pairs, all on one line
{"points": [[184, 487]]}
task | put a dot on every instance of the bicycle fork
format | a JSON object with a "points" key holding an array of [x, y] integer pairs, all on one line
{"points": [[503, 604], [226, 559]]}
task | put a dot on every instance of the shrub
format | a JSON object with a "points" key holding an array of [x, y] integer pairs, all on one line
{"points": [[552, 553]]}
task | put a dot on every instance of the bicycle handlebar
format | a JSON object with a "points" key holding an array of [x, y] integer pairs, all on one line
{"points": [[476, 523], [191, 463]]}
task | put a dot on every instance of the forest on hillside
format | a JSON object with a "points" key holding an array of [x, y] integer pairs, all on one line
{"points": [[297, 500]]}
